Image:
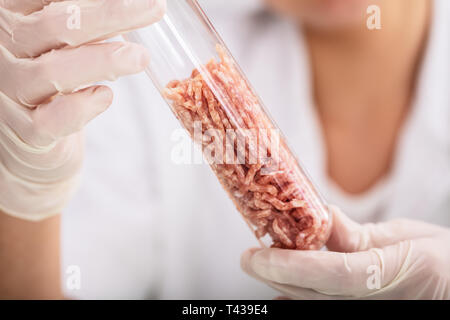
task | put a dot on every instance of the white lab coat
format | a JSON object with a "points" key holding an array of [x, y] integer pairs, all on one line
{"points": [[141, 226]]}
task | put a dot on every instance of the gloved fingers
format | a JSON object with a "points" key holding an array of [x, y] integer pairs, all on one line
{"points": [[298, 293], [47, 193], [330, 273], [67, 114], [32, 133], [290, 292], [73, 23], [32, 81], [349, 236], [25, 6]]}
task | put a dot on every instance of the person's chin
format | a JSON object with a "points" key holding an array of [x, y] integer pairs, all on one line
{"points": [[337, 14], [333, 24]]}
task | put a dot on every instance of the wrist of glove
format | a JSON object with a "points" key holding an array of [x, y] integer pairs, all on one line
{"points": [[43, 62], [36, 183], [401, 259]]}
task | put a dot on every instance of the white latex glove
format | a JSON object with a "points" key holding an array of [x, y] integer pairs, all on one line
{"points": [[44, 58], [405, 259]]}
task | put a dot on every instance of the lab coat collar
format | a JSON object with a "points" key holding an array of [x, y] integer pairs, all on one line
{"points": [[428, 124], [435, 75]]}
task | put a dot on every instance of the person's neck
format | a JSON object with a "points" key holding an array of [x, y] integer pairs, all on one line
{"points": [[362, 73]]}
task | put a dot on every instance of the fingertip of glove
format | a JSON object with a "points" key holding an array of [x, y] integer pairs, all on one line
{"points": [[246, 259], [144, 58], [103, 94], [137, 56], [158, 7]]}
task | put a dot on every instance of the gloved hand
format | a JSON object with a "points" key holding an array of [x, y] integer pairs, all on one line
{"points": [[45, 56], [401, 259]]}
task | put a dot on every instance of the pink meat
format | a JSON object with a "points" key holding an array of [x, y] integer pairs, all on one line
{"points": [[281, 203]]}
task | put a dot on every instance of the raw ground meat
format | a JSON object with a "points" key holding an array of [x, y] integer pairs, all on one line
{"points": [[273, 194]]}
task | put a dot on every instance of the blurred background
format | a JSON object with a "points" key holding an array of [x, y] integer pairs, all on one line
{"points": [[366, 112]]}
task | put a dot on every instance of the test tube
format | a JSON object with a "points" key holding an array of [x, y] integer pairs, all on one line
{"points": [[213, 100]]}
